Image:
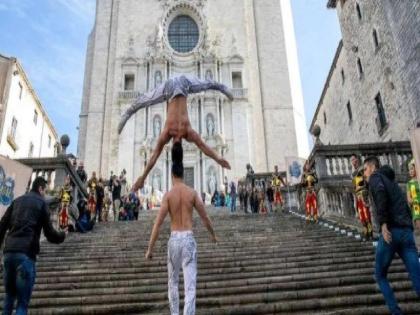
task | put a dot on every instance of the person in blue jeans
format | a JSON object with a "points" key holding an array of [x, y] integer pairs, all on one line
{"points": [[396, 226], [24, 219]]}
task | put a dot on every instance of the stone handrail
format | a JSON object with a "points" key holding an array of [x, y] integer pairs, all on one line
{"points": [[55, 169], [129, 94], [240, 93], [333, 169], [332, 162]]}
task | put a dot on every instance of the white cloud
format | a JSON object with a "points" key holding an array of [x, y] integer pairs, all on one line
{"points": [[15, 7], [84, 9]]}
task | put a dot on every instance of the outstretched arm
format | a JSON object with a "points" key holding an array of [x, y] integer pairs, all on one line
{"points": [[199, 206], [193, 136], [163, 212], [161, 142]]}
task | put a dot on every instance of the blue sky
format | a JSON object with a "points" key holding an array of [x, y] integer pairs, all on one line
{"points": [[49, 38]]}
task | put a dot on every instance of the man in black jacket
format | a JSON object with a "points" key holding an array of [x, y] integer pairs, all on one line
{"points": [[395, 221], [24, 219]]}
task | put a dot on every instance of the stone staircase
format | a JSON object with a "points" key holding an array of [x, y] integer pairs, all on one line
{"points": [[262, 265]]}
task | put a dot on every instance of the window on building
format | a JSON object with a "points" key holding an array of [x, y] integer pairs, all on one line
{"points": [[349, 111], [237, 80], [183, 34], [359, 11], [13, 128], [49, 141], [35, 117], [325, 118], [31, 150], [375, 38], [129, 82], [360, 68], [20, 90], [381, 118], [343, 78]]}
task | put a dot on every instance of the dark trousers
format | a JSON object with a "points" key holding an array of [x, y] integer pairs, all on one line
{"points": [[402, 243], [19, 278]]}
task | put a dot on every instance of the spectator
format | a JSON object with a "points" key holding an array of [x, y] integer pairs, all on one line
{"points": [[270, 197], [246, 198], [100, 194], [135, 204], [107, 204], [395, 222], [111, 180], [116, 196], [24, 219], [222, 199], [84, 223], [81, 172], [232, 197]]}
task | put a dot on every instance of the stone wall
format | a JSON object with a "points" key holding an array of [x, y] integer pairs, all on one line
{"points": [[385, 71]]}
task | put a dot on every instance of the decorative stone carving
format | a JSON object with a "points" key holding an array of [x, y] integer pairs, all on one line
{"points": [[209, 75], [157, 126], [210, 125], [212, 180], [157, 180], [158, 78]]}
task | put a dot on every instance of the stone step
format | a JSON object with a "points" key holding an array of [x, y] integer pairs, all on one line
{"points": [[262, 265]]}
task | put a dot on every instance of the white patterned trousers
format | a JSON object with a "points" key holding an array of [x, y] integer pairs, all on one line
{"points": [[182, 252]]}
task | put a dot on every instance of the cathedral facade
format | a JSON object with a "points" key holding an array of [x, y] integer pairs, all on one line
{"points": [[247, 45]]}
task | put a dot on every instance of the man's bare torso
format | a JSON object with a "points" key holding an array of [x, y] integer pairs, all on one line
{"points": [[177, 122], [181, 201]]}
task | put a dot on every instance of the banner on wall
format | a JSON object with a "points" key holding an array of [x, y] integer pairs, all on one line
{"points": [[14, 178], [294, 167], [415, 147]]}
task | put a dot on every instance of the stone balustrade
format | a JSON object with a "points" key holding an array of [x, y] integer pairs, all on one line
{"points": [[333, 168], [130, 95], [54, 170], [240, 93]]}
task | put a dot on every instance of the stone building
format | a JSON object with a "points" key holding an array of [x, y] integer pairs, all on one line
{"points": [[372, 91], [25, 129], [245, 44]]}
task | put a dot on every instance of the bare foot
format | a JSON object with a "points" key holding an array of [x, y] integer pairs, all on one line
{"points": [[139, 184], [224, 163]]}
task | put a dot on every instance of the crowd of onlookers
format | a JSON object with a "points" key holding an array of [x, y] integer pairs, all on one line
{"points": [[262, 198], [108, 200]]}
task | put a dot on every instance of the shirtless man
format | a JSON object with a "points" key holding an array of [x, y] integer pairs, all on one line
{"points": [[182, 248], [177, 125]]}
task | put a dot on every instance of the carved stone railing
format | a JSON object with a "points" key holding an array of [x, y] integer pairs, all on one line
{"points": [[240, 93], [130, 95], [333, 169], [55, 170]]}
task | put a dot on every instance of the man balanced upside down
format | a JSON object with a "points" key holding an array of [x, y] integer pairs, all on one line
{"points": [[177, 125]]}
